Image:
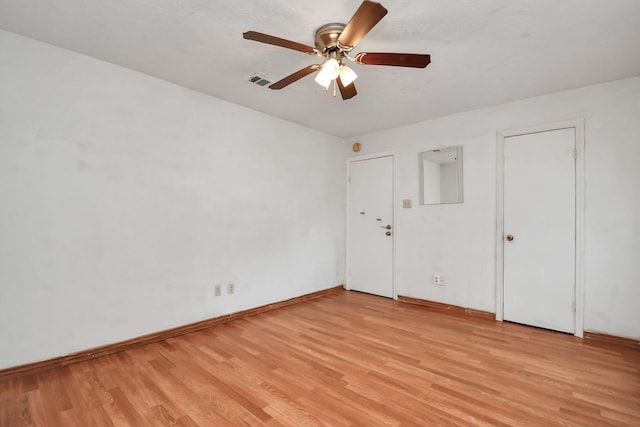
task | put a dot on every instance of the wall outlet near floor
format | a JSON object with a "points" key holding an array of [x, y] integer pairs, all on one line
{"points": [[217, 290], [438, 280], [231, 288]]}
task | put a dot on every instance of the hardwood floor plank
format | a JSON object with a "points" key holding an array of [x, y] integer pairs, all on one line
{"points": [[341, 359], [205, 410], [40, 416]]}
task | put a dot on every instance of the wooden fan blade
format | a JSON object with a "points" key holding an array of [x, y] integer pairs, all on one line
{"points": [[294, 77], [348, 91], [366, 17], [277, 41], [394, 59]]}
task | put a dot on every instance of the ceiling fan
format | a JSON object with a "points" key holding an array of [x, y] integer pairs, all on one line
{"points": [[334, 42]]}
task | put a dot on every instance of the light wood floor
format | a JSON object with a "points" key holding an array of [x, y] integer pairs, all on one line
{"points": [[342, 359]]}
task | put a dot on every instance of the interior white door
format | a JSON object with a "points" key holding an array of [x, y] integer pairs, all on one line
{"points": [[539, 229], [370, 226]]}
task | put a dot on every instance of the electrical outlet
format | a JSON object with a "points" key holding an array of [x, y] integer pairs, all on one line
{"points": [[231, 288], [436, 280], [218, 290]]}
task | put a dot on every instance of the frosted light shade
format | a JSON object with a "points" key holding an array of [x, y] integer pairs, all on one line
{"points": [[347, 75], [329, 71]]}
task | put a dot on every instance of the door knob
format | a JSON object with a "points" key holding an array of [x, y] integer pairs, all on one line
{"points": [[388, 233], [509, 237], [388, 226]]}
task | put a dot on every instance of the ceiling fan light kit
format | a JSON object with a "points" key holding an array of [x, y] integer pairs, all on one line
{"points": [[329, 71], [334, 42]]}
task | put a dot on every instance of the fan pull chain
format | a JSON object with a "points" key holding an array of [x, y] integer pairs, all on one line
{"points": [[334, 88]]}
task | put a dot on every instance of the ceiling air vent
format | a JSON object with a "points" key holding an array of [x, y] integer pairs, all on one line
{"points": [[259, 80]]}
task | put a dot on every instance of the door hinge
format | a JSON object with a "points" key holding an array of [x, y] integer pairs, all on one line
{"points": [[575, 154], [574, 306]]}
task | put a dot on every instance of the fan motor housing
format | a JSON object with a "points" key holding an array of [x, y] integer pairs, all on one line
{"points": [[327, 37]]}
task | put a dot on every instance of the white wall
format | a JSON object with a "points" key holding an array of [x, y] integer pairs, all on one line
{"points": [[124, 199], [458, 241]]}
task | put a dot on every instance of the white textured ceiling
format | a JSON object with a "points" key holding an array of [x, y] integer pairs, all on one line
{"points": [[484, 52]]}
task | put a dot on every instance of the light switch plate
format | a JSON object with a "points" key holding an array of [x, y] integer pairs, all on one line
{"points": [[406, 203]]}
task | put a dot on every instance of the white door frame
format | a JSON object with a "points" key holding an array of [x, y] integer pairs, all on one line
{"points": [[578, 125], [350, 160]]}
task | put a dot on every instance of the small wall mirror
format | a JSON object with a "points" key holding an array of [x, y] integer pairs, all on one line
{"points": [[441, 176]]}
